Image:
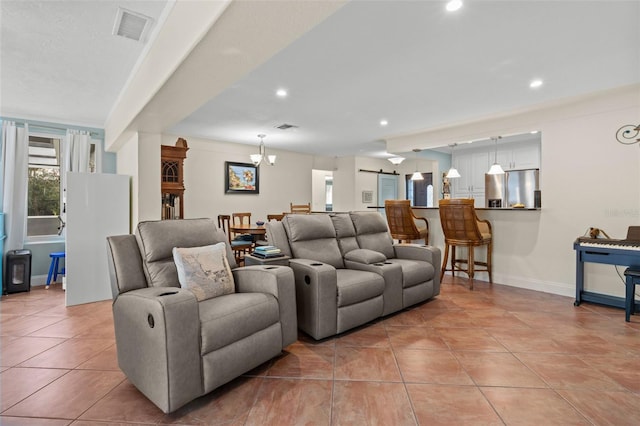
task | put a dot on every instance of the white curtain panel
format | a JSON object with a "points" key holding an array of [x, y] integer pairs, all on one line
{"points": [[76, 159], [77, 147], [15, 162]]}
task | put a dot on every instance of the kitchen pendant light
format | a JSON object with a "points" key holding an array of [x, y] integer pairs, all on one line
{"points": [[396, 160], [417, 175], [256, 159], [496, 169], [453, 172]]}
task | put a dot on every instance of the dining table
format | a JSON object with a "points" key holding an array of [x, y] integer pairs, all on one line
{"points": [[248, 228]]}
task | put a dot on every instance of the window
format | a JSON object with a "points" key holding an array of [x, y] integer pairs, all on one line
{"points": [[43, 198], [328, 188]]}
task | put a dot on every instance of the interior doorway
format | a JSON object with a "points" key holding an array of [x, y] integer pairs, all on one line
{"points": [[321, 190], [420, 192]]}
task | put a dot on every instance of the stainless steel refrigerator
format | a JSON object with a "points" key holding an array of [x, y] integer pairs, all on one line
{"points": [[513, 188]]}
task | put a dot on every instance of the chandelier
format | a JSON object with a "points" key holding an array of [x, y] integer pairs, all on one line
{"points": [[256, 159]]}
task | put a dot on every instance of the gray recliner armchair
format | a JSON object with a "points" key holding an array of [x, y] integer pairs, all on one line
{"points": [[171, 346]]}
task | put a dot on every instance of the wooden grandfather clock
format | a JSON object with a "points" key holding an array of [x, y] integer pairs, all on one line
{"points": [[172, 185]]}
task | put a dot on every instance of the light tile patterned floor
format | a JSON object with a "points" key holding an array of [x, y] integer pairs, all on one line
{"points": [[495, 355]]}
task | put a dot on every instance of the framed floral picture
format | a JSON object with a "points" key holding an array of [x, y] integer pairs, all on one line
{"points": [[241, 178]]}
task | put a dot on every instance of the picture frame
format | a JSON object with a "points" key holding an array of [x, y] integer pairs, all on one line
{"points": [[241, 178]]}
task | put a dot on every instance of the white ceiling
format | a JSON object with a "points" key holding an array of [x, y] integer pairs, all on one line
{"points": [[60, 61], [409, 62]]}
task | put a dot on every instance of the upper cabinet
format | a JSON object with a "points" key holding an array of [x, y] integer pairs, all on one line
{"points": [[518, 156], [472, 166]]}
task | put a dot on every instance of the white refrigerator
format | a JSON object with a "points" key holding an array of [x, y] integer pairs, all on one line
{"points": [[97, 206]]}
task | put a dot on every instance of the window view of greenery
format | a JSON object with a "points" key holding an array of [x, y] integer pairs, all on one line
{"points": [[44, 186]]}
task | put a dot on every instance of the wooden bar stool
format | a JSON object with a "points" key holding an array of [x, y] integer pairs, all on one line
{"points": [[632, 280], [461, 227], [401, 221], [54, 267]]}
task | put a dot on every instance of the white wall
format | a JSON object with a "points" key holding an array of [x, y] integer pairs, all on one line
{"points": [[344, 189], [289, 180], [365, 181], [127, 164], [149, 204], [319, 191], [587, 179]]}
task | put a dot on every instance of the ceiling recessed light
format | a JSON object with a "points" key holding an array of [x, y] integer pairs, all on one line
{"points": [[535, 83], [383, 122], [454, 5], [281, 93]]}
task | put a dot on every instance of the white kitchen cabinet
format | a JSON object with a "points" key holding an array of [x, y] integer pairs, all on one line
{"points": [[518, 156], [472, 166]]}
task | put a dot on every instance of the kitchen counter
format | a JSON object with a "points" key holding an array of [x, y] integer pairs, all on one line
{"points": [[515, 242]]}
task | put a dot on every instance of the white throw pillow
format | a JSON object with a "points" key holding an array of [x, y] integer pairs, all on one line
{"points": [[204, 270]]}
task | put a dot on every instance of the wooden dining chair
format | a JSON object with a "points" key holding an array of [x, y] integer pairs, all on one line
{"points": [[240, 218], [240, 248], [243, 219], [402, 222], [462, 228], [300, 208]]}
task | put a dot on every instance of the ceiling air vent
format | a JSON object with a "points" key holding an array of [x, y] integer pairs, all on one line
{"points": [[286, 126], [132, 25]]}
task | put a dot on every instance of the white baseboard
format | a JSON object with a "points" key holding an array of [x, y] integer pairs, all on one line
{"points": [[38, 280], [561, 289]]}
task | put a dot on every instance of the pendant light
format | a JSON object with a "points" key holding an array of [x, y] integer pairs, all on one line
{"points": [[496, 169], [452, 173], [256, 159], [416, 175], [396, 160]]}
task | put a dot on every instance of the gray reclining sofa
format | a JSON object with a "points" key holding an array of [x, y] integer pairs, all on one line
{"points": [[171, 346], [348, 271]]}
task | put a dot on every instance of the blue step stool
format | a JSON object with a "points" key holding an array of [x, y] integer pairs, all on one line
{"points": [[54, 268]]}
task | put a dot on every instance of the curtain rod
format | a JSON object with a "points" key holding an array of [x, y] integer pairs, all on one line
{"points": [[53, 126], [380, 172]]}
